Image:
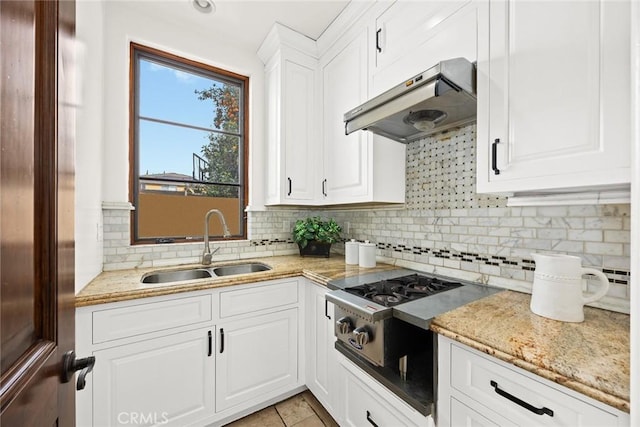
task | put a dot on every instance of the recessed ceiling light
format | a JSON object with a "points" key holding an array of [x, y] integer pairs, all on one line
{"points": [[204, 6]]}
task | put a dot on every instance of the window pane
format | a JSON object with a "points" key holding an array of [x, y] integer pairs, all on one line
{"points": [[189, 148], [180, 212], [180, 96]]}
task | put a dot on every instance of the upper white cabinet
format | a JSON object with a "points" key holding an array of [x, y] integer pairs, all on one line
{"points": [[309, 87], [412, 36], [358, 167], [553, 96], [291, 117]]}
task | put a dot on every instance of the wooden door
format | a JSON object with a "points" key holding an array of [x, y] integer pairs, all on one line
{"points": [[36, 217]]}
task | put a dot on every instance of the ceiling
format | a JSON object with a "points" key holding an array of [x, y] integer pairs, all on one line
{"points": [[248, 21]]}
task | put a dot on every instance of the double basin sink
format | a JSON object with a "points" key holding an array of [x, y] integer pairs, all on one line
{"points": [[204, 273]]}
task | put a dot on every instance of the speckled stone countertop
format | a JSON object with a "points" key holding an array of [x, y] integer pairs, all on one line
{"points": [[592, 357], [122, 285]]}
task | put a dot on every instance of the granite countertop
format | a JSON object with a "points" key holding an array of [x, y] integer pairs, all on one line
{"points": [[591, 357], [122, 285]]}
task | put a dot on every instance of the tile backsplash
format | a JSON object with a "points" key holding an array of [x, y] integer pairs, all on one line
{"points": [[444, 227]]}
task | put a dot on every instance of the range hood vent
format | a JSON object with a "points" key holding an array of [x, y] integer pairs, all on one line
{"points": [[441, 98]]}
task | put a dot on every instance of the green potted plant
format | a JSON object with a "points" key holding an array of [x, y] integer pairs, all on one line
{"points": [[314, 235]]}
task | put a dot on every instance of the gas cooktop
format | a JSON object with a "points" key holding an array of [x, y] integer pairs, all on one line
{"points": [[398, 290]]}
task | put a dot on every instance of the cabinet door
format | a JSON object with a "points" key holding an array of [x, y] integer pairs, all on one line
{"points": [[365, 407], [291, 129], [256, 356], [411, 37], [553, 95], [163, 381], [321, 359], [346, 157]]}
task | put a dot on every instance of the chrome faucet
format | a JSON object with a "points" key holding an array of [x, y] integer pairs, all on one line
{"points": [[207, 254]]}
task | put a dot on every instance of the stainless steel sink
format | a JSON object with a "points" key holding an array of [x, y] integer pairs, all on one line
{"points": [[177, 275], [230, 270], [204, 273]]}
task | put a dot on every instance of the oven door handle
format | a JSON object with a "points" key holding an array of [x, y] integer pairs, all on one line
{"points": [[371, 419]]}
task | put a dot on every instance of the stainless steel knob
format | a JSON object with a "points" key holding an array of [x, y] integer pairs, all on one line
{"points": [[344, 325], [361, 335]]}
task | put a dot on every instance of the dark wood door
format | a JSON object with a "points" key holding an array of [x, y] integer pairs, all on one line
{"points": [[36, 216]]}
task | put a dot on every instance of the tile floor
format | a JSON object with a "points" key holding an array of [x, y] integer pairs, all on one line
{"points": [[301, 410]]}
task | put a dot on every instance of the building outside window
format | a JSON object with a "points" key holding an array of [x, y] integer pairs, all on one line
{"points": [[188, 147]]}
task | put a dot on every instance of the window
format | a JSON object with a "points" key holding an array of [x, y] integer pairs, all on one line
{"points": [[188, 145]]}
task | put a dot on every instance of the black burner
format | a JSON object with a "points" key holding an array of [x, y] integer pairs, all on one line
{"points": [[398, 290]]}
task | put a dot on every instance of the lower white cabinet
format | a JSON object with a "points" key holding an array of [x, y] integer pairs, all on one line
{"points": [[190, 359], [256, 356], [477, 389], [167, 380], [367, 403], [321, 355]]}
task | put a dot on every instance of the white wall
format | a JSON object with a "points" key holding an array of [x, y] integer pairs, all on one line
{"points": [[103, 131], [89, 129]]}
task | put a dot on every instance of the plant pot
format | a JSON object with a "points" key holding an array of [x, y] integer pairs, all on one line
{"points": [[313, 248]]}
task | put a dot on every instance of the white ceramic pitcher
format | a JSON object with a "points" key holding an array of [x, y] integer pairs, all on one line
{"points": [[557, 287]]}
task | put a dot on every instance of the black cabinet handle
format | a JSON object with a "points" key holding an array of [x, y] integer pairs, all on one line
{"points": [[326, 309], [371, 420], [494, 156], [210, 336], [70, 365], [378, 48], [324, 187], [511, 397], [221, 340], [289, 192]]}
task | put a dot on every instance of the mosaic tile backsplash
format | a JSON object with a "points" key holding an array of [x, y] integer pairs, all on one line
{"points": [[444, 227]]}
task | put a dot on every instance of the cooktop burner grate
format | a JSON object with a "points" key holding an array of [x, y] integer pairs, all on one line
{"points": [[398, 290]]}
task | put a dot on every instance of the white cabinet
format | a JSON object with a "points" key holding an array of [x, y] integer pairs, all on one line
{"points": [[553, 96], [256, 356], [166, 381], [309, 159], [321, 355], [291, 118], [358, 167], [411, 37], [474, 386], [257, 335], [193, 358], [154, 361], [367, 403]]}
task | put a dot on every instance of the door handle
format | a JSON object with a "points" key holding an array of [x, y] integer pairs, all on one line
{"points": [[371, 419], [494, 156], [518, 401], [289, 192], [221, 340], [378, 48], [209, 335], [324, 187], [70, 364], [326, 309]]}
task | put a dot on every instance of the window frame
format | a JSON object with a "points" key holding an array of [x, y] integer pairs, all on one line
{"points": [[137, 50]]}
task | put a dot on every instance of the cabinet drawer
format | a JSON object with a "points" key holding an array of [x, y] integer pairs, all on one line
{"points": [[364, 407], [116, 323], [254, 299], [479, 378]]}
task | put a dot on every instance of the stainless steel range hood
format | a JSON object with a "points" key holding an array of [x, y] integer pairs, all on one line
{"points": [[441, 98]]}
